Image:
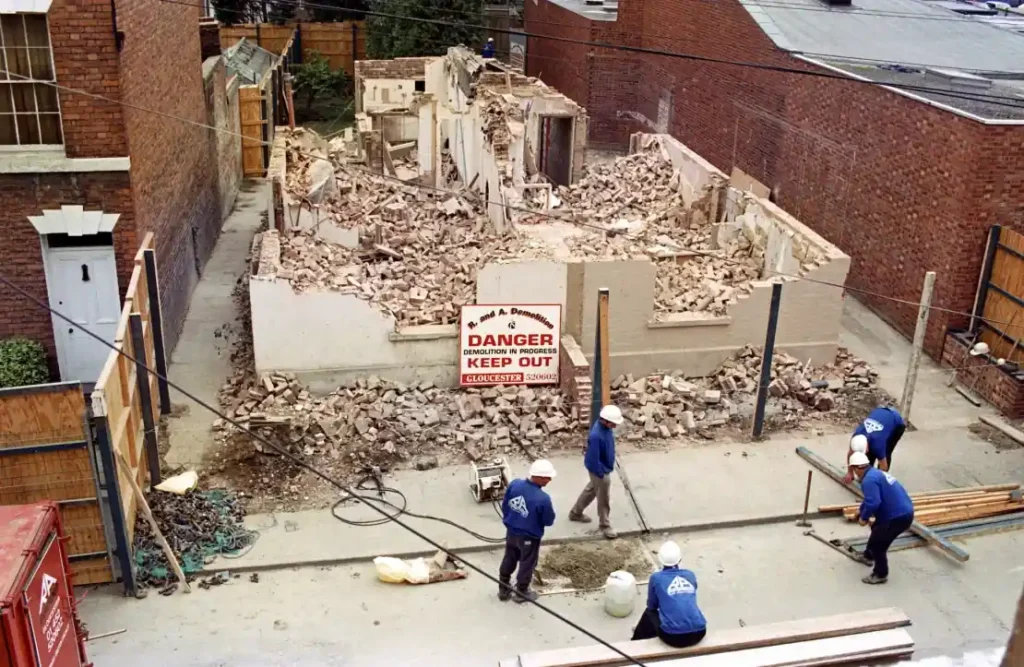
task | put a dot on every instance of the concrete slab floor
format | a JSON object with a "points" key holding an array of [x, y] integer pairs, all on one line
{"points": [[201, 362], [935, 405], [344, 616]]}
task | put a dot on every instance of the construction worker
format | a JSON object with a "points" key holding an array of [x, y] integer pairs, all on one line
{"points": [[488, 50], [526, 511], [881, 431], [672, 612], [600, 463], [890, 505]]}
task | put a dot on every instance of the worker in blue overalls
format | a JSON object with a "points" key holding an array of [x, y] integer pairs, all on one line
{"points": [[889, 504], [526, 511], [672, 613], [488, 50], [877, 437]]}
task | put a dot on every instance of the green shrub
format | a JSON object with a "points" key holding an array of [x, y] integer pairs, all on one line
{"points": [[22, 362]]}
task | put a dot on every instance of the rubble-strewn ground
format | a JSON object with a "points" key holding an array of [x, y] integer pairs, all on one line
{"points": [[421, 249]]}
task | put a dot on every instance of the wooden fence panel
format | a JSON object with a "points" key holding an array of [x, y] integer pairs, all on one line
{"points": [[273, 38], [335, 41], [251, 109], [46, 453], [1001, 302]]}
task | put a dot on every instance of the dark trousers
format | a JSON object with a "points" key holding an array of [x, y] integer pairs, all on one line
{"points": [[649, 627], [521, 552], [882, 535], [890, 445]]}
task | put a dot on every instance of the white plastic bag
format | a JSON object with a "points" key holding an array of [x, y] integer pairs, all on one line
{"points": [[396, 571]]}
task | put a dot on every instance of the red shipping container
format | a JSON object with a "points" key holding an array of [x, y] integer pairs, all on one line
{"points": [[39, 624]]}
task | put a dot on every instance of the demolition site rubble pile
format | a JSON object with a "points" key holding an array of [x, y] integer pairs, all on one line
{"points": [[375, 422], [637, 199], [670, 405]]}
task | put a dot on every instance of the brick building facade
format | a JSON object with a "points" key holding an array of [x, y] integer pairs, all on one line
{"points": [[903, 182], [67, 155]]}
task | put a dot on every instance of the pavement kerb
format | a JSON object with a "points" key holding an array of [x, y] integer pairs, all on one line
{"points": [[224, 564]]}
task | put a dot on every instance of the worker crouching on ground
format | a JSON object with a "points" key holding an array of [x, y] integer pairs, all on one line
{"points": [[877, 437], [526, 511], [672, 613], [888, 502], [600, 463]]}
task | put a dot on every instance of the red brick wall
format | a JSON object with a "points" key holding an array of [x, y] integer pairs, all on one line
{"points": [[84, 56], [999, 387], [901, 186], [21, 252], [173, 167]]}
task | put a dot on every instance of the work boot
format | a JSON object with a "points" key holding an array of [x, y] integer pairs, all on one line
{"points": [[609, 533], [525, 595], [579, 518], [504, 590], [874, 579], [864, 560]]}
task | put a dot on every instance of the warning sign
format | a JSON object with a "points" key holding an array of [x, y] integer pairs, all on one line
{"points": [[509, 344]]}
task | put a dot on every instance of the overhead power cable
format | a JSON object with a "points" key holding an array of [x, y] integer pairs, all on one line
{"points": [[302, 463], [570, 220], [1012, 102]]}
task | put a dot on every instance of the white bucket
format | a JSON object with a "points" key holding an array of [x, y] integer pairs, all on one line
{"points": [[620, 594]]}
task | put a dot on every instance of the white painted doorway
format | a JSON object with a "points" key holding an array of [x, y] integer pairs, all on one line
{"points": [[81, 280]]}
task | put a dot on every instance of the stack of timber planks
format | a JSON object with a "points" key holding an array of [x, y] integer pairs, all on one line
{"points": [[875, 636], [938, 508]]}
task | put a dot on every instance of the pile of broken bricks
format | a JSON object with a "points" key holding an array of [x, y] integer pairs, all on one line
{"points": [[377, 422], [668, 405]]}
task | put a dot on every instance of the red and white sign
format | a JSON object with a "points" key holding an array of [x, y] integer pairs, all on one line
{"points": [[49, 611], [509, 344]]}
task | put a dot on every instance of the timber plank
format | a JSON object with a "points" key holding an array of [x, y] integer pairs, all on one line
{"points": [[947, 547], [732, 639], [819, 652]]}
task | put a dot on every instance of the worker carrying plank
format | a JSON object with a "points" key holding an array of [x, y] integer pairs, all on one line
{"points": [[889, 504], [526, 511], [600, 463], [877, 437], [672, 613]]}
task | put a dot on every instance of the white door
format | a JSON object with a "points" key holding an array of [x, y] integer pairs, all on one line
{"points": [[82, 284]]}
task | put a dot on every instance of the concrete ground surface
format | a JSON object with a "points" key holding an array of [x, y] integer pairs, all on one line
{"points": [[343, 616], [201, 362], [684, 488]]}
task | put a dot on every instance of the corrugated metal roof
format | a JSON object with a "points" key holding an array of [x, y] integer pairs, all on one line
{"points": [[895, 31], [249, 61]]}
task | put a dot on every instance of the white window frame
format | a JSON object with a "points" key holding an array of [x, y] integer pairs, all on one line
{"points": [[19, 147]]}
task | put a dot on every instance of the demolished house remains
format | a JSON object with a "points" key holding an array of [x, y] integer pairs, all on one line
{"points": [[385, 232]]}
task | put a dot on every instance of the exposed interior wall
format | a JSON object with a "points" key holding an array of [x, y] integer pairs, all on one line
{"points": [[397, 128]]}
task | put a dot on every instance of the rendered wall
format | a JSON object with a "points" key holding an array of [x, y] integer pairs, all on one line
{"points": [[327, 338], [526, 281]]}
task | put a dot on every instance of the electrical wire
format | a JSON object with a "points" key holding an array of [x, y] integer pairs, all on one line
{"points": [[999, 100], [400, 508], [302, 463], [541, 214]]}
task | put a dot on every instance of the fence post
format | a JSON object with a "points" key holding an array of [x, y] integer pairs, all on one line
{"points": [[145, 398], [915, 355], [601, 385], [157, 322], [113, 488], [986, 275], [355, 47], [766, 360]]}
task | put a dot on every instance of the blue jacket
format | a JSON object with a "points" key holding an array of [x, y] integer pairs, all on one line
{"points": [[488, 50], [673, 593], [877, 427], [600, 456], [884, 497], [526, 509]]}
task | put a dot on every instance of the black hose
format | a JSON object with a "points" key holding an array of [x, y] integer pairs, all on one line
{"points": [[400, 509]]}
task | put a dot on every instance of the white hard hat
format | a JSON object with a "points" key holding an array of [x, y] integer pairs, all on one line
{"points": [[669, 554], [490, 39], [542, 468], [858, 459], [611, 413], [859, 443], [979, 349]]}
